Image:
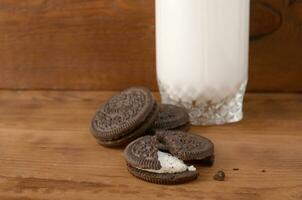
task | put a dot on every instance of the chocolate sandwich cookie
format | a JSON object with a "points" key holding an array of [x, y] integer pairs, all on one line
{"points": [[124, 117], [171, 117], [145, 161], [186, 146]]}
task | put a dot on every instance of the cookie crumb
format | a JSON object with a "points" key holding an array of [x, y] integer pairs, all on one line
{"points": [[235, 169], [219, 176]]}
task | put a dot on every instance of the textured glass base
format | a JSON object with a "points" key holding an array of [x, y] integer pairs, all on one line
{"points": [[227, 110]]}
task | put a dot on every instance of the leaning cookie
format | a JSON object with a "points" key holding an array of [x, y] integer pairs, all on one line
{"points": [[145, 161], [124, 117], [171, 117], [187, 146]]}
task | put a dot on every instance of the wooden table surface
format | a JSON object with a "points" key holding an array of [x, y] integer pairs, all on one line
{"points": [[47, 152]]}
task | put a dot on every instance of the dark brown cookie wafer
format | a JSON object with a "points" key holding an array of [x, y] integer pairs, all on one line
{"points": [[164, 179], [142, 153], [209, 161], [185, 127], [171, 117], [186, 146], [124, 117], [140, 131]]}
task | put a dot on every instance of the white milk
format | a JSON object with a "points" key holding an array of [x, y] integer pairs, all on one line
{"points": [[202, 56]]}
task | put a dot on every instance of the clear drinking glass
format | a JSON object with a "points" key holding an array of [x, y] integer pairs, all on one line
{"points": [[202, 57]]}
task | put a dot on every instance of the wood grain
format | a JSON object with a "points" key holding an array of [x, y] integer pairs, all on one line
{"points": [[82, 44], [47, 152], [265, 20], [109, 44]]}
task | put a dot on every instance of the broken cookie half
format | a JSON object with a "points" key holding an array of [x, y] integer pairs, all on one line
{"points": [[153, 159]]}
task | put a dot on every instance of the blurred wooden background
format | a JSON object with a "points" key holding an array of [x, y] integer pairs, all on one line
{"points": [[109, 44]]}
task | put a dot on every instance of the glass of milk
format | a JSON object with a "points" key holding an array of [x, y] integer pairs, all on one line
{"points": [[202, 57]]}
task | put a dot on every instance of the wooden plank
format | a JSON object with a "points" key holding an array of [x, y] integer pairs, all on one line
{"points": [[47, 152], [275, 58], [82, 44], [99, 44]]}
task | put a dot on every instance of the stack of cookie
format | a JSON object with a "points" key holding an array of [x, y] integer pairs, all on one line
{"points": [[157, 146]]}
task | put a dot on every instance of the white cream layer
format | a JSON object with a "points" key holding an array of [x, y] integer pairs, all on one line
{"points": [[170, 164]]}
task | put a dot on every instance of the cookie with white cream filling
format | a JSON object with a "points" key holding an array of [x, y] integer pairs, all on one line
{"points": [[145, 161]]}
